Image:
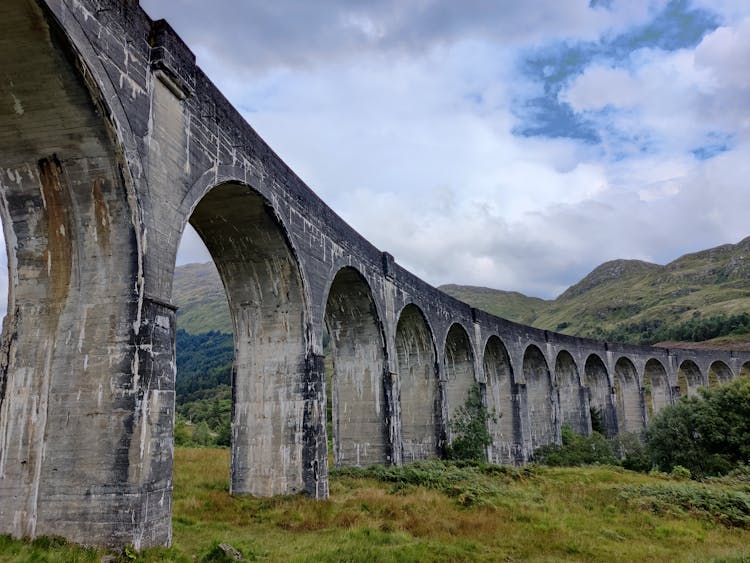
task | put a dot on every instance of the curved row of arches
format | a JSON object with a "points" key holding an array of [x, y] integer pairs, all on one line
{"points": [[426, 390]]}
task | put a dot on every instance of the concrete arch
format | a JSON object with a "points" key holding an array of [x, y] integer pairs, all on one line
{"points": [[458, 364], [540, 404], [719, 373], [596, 382], [656, 391], [499, 395], [419, 397], [572, 401], [689, 378], [628, 393], [96, 401], [270, 316], [360, 433]]}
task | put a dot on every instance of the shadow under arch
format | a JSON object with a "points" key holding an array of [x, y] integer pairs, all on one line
{"points": [[541, 407], [596, 381], [571, 395], [689, 378], [419, 398], [359, 402], [504, 430], [656, 391], [745, 369], [628, 397], [458, 362], [272, 409], [719, 373]]}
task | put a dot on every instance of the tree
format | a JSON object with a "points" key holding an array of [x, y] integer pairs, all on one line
{"points": [[708, 434], [471, 436]]}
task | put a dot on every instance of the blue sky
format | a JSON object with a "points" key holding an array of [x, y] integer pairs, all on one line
{"points": [[514, 145]]}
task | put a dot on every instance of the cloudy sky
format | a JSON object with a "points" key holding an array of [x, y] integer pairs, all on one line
{"points": [[515, 145]]}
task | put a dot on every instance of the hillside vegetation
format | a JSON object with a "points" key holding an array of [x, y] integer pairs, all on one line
{"points": [[200, 298], [699, 294], [444, 511]]}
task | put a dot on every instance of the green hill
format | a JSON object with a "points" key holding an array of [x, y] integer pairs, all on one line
{"points": [[201, 299], [640, 302], [507, 304], [696, 297]]}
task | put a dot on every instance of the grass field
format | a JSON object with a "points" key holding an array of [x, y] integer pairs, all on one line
{"points": [[446, 512]]}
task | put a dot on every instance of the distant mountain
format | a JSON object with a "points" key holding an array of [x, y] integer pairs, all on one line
{"points": [[635, 301], [507, 304], [200, 298], [621, 300]]}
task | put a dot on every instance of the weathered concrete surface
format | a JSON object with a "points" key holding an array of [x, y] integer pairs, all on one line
{"points": [[599, 391], [458, 366], [657, 392], [500, 391], [111, 141], [360, 431], [572, 399], [418, 387], [542, 408]]}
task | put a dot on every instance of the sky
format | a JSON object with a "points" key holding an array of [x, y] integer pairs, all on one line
{"points": [[514, 145]]}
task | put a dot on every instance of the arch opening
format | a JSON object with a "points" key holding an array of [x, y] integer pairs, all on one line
{"points": [[499, 394], [628, 395], [601, 411], [358, 408], [719, 373], [419, 397], [458, 362], [264, 291], [571, 395], [689, 378], [539, 400], [745, 369], [656, 391]]}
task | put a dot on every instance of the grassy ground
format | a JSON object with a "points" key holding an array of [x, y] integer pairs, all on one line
{"points": [[447, 512]]}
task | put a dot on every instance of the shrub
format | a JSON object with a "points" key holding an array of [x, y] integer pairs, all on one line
{"points": [[680, 473], [576, 450], [633, 454], [727, 507], [709, 434], [471, 435]]}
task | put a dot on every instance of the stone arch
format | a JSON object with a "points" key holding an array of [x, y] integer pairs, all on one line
{"points": [[689, 378], [458, 362], [89, 353], [571, 398], [499, 394], [357, 392], [539, 398], [628, 393], [271, 406], [656, 391], [419, 395], [596, 381], [719, 373]]}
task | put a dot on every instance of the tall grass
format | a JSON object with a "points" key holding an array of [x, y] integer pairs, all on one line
{"points": [[440, 511]]}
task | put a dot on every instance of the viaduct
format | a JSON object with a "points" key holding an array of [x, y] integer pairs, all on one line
{"points": [[111, 140]]}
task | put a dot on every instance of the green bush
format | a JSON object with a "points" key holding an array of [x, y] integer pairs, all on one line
{"points": [[576, 450], [631, 451], [727, 507], [471, 435], [708, 434]]}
